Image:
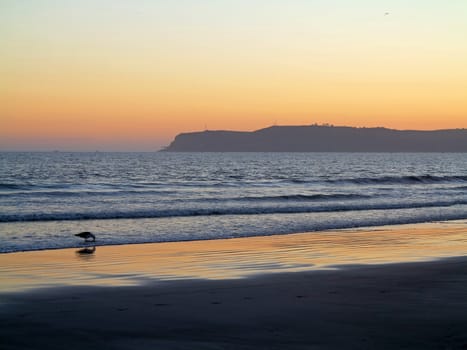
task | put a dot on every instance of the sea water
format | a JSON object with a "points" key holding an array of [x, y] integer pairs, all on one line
{"points": [[45, 198]]}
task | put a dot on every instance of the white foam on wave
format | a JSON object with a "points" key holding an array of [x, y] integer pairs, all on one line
{"points": [[59, 234]]}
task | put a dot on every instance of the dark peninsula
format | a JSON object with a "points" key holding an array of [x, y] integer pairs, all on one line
{"points": [[321, 138]]}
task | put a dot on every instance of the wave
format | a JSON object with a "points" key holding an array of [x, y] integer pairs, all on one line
{"points": [[83, 193], [71, 190], [277, 199], [11, 186], [412, 179], [304, 197], [110, 237], [70, 186], [240, 210], [151, 192], [217, 183]]}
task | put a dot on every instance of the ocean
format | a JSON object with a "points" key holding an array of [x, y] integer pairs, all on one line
{"points": [[125, 198]]}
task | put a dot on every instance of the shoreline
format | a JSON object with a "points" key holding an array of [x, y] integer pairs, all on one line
{"points": [[392, 288], [369, 228], [232, 258], [120, 231]]}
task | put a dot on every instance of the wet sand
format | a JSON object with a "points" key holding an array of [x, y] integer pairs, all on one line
{"points": [[387, 289]]}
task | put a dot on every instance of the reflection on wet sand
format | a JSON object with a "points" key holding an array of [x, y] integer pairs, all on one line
{"points": [[86, 253], [231, 258]]}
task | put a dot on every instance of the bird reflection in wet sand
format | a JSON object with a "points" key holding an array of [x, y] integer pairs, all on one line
{"points": [[86, 253]]}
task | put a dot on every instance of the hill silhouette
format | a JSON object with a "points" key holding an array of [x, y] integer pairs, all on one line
{"points": [[321, 138]]}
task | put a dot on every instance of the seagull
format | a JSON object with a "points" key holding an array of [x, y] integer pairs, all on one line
{"points": [[87, 236], [386, 13]]}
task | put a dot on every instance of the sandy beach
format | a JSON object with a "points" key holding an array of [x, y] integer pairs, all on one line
{"points": [[391, 288]]}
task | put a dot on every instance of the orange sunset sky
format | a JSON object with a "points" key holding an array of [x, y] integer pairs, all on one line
{"points": [[130, 75]]}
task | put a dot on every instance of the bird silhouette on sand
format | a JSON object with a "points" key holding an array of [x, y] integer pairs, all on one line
{"points": [[88, 236]]}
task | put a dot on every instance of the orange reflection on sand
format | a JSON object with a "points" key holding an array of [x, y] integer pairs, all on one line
{"points": [[231, 258]]}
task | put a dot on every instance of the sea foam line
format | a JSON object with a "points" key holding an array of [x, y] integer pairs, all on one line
{"points": [[288, 227], [217, 211]]}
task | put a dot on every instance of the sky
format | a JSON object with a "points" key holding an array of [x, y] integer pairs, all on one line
{"points": [[132, 74]]}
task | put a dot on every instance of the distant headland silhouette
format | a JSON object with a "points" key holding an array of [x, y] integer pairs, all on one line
{"points": [[321, 138]]}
